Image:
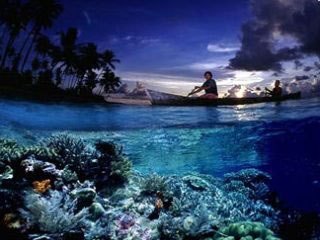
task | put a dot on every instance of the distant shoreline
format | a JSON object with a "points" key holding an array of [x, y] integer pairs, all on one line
{"points": [[33, 94]]}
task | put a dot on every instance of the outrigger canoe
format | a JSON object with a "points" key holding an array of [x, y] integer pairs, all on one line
{"points": [[120, 98], [166, 99]]}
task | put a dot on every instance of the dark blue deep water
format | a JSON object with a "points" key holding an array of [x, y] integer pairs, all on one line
{"points": [[282, 139]]}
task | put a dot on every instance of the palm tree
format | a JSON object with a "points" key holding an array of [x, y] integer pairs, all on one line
{"points": [[90, 80], [44, 13], [11, 18], [108, 58], [88, 60], [65, 55], [109, 81]]}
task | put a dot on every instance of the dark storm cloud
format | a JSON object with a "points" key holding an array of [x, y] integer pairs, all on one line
{"points": [[299, 19], [317, 65], [300, 78], [307, 68], [297, 64]]}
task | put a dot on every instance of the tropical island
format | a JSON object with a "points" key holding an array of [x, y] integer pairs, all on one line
{"points": [[34, 67], [66, 172]]}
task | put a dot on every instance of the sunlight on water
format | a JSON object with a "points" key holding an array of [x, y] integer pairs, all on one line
{"points": [[281, 139]]}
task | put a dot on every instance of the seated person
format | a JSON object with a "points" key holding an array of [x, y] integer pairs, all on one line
{"points": [[209, 86], [276, 91]]}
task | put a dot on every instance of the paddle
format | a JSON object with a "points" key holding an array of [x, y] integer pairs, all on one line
{"points": [[191, 93]]}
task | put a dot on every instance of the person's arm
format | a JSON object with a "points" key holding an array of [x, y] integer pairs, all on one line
{"points": [[268, 90], [197, 89]]}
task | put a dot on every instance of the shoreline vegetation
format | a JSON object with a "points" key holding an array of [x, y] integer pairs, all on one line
{"points": [[65, 187], [34, 66]]}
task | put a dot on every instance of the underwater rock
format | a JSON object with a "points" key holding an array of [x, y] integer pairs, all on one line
{"points": [[96, 210], [237, 186], [188, 222], [38, 170], [250, 182], [247, 176], [196, 183], [84, 194]]}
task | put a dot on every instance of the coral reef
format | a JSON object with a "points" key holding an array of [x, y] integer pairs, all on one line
{"points": [[250, 182], [245, 231], [42, 186], [67, 188], [55, 213], [70, 150], [153, 184], [9, 151]]}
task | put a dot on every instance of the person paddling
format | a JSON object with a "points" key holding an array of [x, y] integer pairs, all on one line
{"points": [[209, 86], [276, 91]]}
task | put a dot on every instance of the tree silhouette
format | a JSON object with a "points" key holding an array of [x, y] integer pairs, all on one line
{"points": [[44, 13]]}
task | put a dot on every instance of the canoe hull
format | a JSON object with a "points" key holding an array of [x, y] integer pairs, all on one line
{"points": [[165, 99], [127, 100]]}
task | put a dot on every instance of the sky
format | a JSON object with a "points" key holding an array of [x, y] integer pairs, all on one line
{"points": [[169, 44]]}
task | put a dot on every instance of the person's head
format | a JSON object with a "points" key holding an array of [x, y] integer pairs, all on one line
{"points": [[208, 75], [277, 83]]}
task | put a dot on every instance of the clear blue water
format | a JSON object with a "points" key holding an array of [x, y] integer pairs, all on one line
{"points": [[282, 139]]}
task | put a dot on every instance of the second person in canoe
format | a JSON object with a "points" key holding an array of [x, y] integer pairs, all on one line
{"points": [[209, 86]]}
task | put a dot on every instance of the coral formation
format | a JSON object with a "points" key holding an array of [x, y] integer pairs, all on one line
{"points": [[245, 231], [66, 188], [153, 184], [42, 186], [55, 213]]}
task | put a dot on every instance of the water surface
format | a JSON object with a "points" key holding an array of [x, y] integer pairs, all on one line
{"points": [[283, 139]]}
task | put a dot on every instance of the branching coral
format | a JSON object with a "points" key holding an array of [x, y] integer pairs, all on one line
{"points": [[250, 182], [70, 150], [154, 183], [110, 165], [9, 151]]}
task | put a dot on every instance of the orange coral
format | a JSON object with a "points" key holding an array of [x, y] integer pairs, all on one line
{"points": [[159, 204], [42, 186]]}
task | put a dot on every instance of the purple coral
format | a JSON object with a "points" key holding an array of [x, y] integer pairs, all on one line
{"points": [[125, 221]]}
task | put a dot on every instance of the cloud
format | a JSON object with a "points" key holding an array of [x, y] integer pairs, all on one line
{"points": [[201, 66], [134, 40], [220, 48], [307, 68], [273, 20], [303, 77], [297, 64]]}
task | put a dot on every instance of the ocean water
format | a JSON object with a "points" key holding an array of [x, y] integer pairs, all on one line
{"points": [[281, 139]]}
